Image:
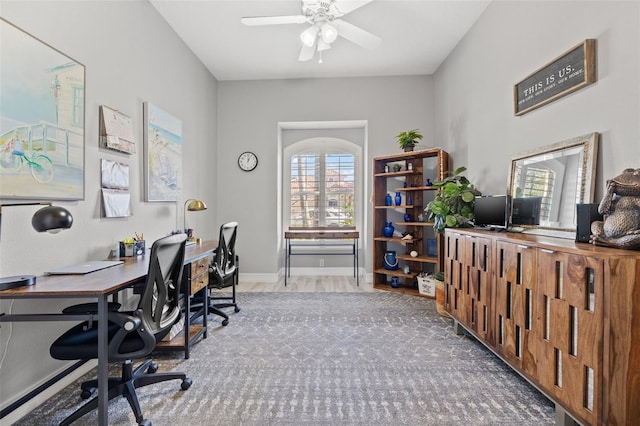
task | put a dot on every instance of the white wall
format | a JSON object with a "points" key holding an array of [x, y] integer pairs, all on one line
{"points": [[131, 56], [248, 115], [474, 87]]}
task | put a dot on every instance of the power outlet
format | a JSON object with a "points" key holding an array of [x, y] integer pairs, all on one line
{"points": [[321, 262]]}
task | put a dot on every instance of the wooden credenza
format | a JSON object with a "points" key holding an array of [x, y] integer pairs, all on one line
{"points": [[565, 315]]}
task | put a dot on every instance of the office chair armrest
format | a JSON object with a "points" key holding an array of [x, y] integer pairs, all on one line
{"points": [[125, 320], [129, 323]]}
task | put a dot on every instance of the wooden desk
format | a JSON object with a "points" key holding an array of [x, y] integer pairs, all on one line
{"points": [[96, 285], [321, 234]]}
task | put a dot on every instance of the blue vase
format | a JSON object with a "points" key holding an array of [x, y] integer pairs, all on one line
{"points": [[409, 200], [388, 229], [390, 260], [394, 282], [407, 217], [387, 200], [398, 198]]}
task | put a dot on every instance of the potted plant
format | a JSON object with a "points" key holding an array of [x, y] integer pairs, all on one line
{"points": [[452, 207], [407, 140]]}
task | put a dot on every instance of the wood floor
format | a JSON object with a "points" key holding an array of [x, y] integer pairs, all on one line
{"points": [[312, 284]]}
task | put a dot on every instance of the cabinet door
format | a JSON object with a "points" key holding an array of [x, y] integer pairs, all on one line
{"points": [[476, 292], [570, 328], [453, 271], [514, 305]]}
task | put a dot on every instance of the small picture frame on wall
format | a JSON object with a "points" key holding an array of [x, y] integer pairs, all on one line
{"points": [[162, 154], [42, 93]]}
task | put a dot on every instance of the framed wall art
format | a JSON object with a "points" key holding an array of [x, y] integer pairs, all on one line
{"points": [[42, 93], [162, 154], [116, 130]]}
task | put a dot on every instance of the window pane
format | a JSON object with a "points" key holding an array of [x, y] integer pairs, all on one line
{"points": [[340, 189], [322, 189], [305, 189]]}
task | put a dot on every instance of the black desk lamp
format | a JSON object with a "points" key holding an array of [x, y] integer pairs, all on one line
{"points": [[49, 218]]}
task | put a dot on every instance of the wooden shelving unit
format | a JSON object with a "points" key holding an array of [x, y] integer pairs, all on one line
{"points": [[416, 167]]}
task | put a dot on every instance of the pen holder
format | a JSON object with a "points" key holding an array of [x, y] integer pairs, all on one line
{"points": [[137, 248]]}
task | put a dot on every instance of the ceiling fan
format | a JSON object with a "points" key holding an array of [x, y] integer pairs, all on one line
{"points": [[326, 25]]}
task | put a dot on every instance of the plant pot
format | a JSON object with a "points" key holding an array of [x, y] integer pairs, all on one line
{"points": [[440, 299], [408, 148]]}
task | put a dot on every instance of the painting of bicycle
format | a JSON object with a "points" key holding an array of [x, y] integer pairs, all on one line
{"points": [[41, 120]]}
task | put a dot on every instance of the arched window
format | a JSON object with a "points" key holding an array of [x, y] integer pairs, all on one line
{"points": [[322, 183]]}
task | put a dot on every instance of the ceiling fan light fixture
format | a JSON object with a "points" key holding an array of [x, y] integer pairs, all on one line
{"points": [[309, 35], [329, 33], [323, 45]]}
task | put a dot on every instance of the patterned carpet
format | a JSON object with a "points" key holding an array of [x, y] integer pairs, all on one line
{"points": [[329, 359]]}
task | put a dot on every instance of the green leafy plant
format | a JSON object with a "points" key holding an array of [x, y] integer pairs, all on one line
{"points": [[407, 140], [452, 207]]}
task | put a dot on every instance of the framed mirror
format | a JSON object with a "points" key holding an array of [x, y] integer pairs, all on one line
{"points": [[546, 184]]}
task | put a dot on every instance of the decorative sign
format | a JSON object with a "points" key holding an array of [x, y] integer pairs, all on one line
{"points": [[571, 71]]}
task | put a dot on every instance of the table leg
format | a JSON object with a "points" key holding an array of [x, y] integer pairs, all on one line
{"points": [[103, 362], [357, 261], [287, 261]]}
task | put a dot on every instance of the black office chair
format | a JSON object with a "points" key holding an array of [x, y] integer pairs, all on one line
{"points": [[131, 334], [224, 271]]}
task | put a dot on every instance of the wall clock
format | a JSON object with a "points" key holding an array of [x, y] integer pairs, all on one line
{"points": [[247, 161]]}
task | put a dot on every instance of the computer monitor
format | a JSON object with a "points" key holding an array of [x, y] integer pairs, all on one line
{"points": [[526, 211], [491, 211]]}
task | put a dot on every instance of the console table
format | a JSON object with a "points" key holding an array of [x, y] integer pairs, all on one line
{"points": [[564, 315], [321, 234]]}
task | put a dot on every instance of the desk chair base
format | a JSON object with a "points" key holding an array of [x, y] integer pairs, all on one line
{"points": [[216, 310], [126, 386]]}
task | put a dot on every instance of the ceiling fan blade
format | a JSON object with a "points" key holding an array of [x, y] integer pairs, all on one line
{"points": [[274, 20], [356, 34], [345, 6], [307, 52]]}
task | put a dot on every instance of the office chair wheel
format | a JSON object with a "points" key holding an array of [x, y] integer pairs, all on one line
{"points": [[225, 322], [153, 367], [236, 309], [145, 422], [186, 384], [86, 393]]}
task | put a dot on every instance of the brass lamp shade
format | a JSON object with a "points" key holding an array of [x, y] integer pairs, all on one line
{"points": [[192, 205], [196, 205]]}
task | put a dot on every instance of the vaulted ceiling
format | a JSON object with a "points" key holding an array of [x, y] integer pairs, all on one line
{"points": [[417, 35]]}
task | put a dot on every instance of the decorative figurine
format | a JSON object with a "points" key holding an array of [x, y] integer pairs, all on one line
{"points": [[621, 209]]}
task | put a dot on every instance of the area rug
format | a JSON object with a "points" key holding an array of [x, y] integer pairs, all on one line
{"points": [[375, 358]]}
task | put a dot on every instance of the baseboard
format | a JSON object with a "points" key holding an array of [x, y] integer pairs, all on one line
{"points": [[274, 278]]}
